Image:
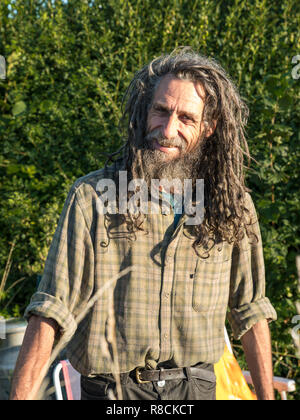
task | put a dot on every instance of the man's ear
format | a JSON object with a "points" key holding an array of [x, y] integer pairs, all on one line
{"points": [[210, 128]]}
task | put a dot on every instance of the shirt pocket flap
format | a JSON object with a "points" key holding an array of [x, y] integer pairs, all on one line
{"points": [[212, 280]]}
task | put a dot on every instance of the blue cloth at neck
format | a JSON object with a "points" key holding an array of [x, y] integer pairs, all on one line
{"points": [[170, 198]]}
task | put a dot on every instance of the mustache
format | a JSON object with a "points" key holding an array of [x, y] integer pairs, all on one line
{"points": [[159, 137]]}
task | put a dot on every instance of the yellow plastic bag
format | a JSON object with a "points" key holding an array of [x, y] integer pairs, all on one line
{"points": [[231, 384]]}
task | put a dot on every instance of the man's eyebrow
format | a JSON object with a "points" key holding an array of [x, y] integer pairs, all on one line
{"points": [[162, 107]]}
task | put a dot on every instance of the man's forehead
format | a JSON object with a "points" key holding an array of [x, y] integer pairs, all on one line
{"points": [[173, 89]]}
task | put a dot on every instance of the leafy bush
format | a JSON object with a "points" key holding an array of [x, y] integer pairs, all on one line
{"points": [[68, 65]]}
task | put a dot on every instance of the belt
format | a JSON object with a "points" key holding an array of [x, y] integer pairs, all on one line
{"points": [[144, 376]]}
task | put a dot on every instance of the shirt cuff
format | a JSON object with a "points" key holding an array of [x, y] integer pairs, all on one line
{"points": [[48, 306], [242, 319]]}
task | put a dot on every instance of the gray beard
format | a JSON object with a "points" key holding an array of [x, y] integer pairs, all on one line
{"points": [[157, 165]]}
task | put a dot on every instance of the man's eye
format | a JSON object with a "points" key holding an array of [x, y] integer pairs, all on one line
{"points": [[186, 118], [161, 110]]}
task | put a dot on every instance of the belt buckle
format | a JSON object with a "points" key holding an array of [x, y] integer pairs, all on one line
{"points": [[137, 375]]}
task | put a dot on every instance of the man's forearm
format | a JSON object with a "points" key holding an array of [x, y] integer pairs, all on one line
{"points": [[32, 363], [258, 351]]}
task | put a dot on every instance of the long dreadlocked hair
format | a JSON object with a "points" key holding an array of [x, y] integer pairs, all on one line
{"points": [[221, 161]]}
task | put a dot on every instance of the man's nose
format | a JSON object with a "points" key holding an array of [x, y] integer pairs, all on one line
{"points": [[170, 128]]}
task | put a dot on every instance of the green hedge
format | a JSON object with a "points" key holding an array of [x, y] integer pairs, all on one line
{"points": [[68, 64]]}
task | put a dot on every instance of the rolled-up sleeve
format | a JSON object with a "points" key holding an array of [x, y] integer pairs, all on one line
{"points": [[68, 279], [248, 303]]}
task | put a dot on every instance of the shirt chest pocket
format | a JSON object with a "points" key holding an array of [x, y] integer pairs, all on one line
{"points": [[211, 281]]}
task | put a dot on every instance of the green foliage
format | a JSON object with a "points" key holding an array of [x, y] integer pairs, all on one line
{"points": [[68, 65]]}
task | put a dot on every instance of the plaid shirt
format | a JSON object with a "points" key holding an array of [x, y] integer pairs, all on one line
{"points": [[170, 307]]}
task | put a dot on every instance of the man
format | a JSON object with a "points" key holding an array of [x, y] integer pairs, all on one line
{"points": [[160, 325]]}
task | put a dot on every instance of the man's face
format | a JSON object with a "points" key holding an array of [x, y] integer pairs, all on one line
{"points": [[174, 124]]}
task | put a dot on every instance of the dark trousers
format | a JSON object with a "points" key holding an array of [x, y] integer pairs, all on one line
{"points": [[99, 388]]}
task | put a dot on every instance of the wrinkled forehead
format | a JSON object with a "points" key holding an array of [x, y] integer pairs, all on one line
{"points": [[177, 93], [170, 81]]}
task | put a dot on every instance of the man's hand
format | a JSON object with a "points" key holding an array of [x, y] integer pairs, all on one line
{"points": [[257, 347], [34, 356]]}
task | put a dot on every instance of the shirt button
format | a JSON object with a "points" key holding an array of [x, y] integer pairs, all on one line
{"points": [[161, 384], [167, 295], [165, 336]]}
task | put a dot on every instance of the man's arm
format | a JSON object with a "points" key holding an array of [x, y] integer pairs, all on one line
{"points": [[32, 363], [257, 347]]}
